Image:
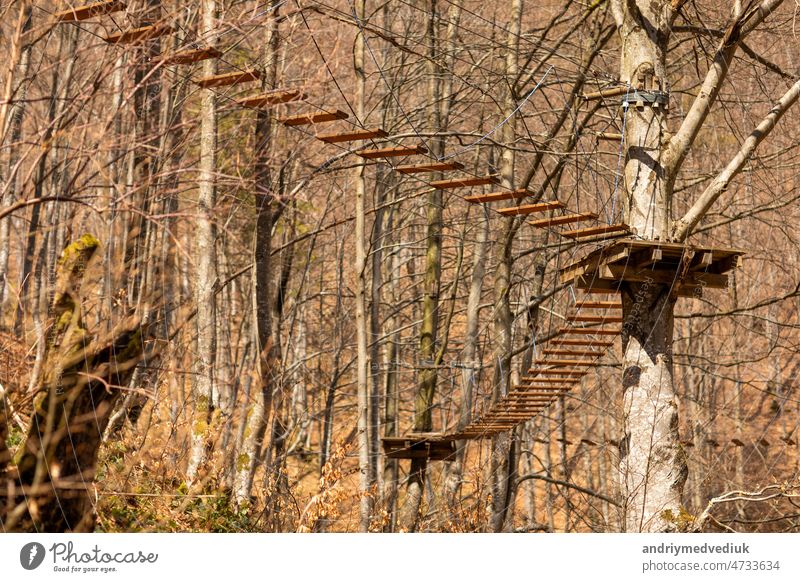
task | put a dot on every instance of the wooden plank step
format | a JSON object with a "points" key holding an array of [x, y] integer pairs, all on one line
{"points": [[579, 342], [584, 233], [89, 11], [431, 167], [529, 391], [463, 182], [139, 34], [312, 118], [544, 372], [272, 98], [547, 381], [567, 363], [530, 208], [189, 56], [373, 154], [352, 135], [572, 353], [498, 196], [595, 318], [590, 331], [589, 304], [566, 219], [227, 79]]}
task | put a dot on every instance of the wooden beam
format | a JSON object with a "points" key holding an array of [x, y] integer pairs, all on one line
{"points": [[357, 135], [530, 208], [187, 57], [572, 353], [272, 98], [431, 167], [373, 154], [662, 276], [567, 363], [590, 331], [312, 118], [579, 342], [540, 372], [227, 79], [549, 380], [139, 34], [463, 182], [612, 92], [566, 219], [588, 304], [498, 196], [595, 318], [89, 11], [583, 233]]}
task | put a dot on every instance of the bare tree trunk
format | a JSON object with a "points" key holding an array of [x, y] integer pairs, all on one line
{"points": [[205, 279], [652, 463], [15, 90], [362, 364], [504, 445], [267, 212]]}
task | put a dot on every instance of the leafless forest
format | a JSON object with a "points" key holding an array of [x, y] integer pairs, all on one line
{"points": [[313, 266]]}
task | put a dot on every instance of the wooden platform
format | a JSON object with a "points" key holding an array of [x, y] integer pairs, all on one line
{"points": [[429, 167], [272, 98], [565, 219], [686, 268], [526, 209], [313, 118], [139, 34], [228, 79], [396, 152], [187, 57], [498, 196], [432, 446], [90, 11], [357, 135], [463, 182]]}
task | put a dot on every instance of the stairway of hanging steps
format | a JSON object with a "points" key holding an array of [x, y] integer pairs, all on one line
{"points": [[589, 331]]}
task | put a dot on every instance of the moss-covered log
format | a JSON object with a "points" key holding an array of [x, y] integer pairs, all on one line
{"points": [[82, 376]]}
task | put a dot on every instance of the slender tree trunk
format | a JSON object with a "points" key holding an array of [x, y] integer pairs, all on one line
{"points": [[362, 364], [205, 280], [267, 352]]}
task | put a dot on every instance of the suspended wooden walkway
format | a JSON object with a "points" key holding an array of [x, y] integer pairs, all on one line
{"points": [[581, 344]]}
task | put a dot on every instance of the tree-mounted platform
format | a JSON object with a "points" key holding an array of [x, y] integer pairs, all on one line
{"points": [[432, 446], [686, 268]]}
